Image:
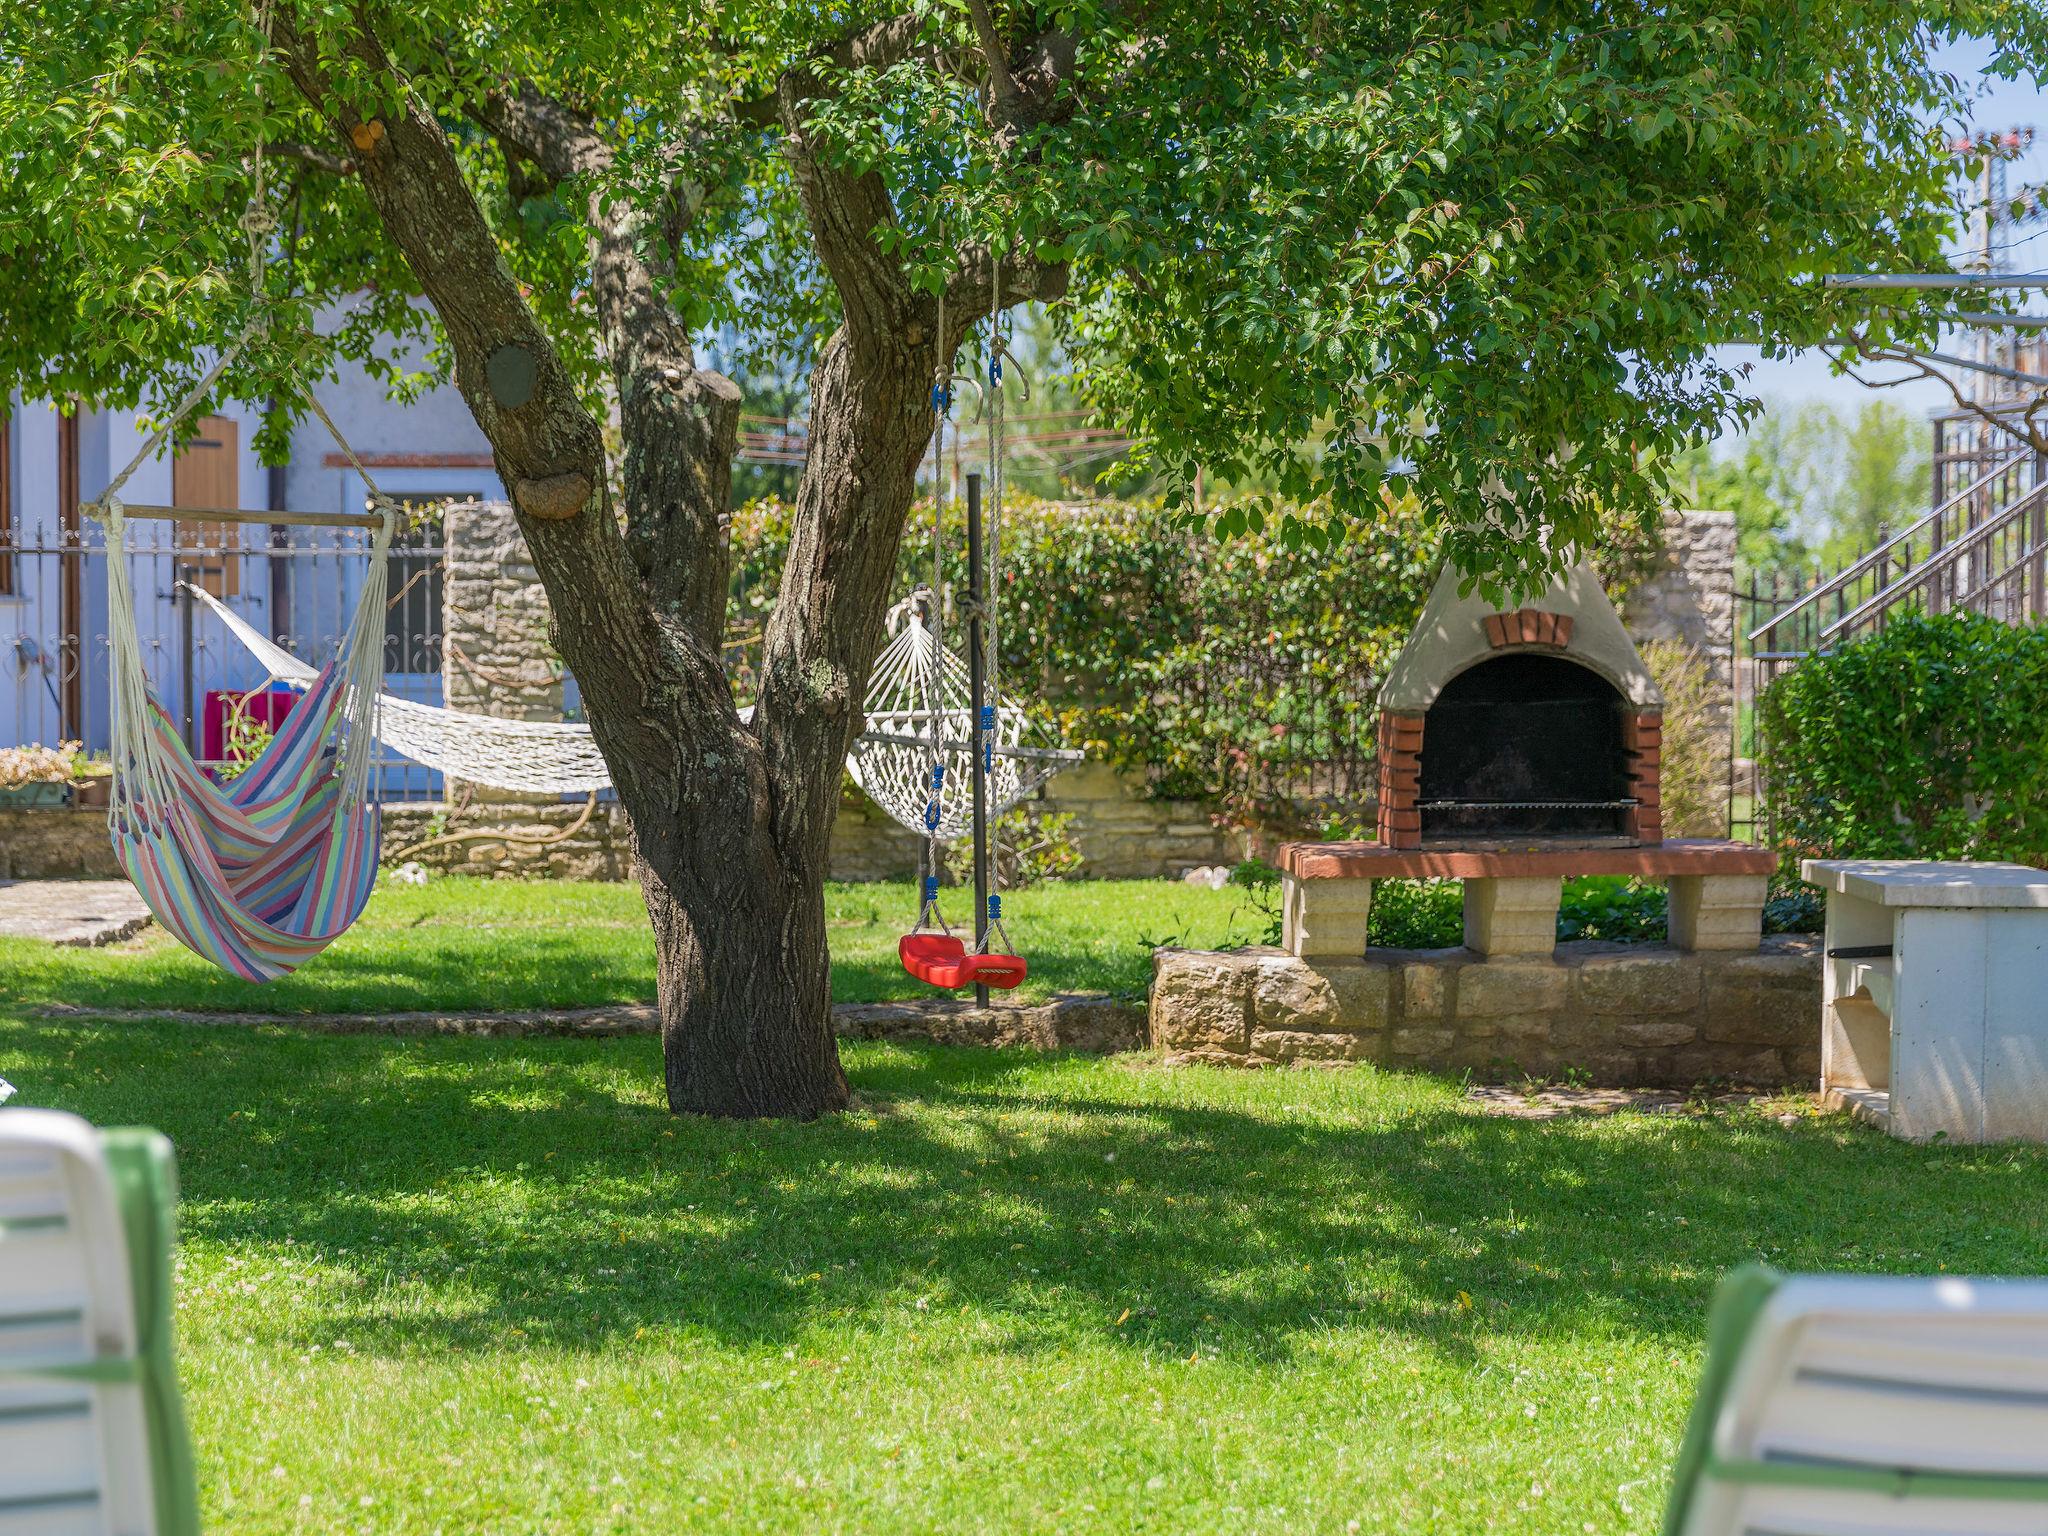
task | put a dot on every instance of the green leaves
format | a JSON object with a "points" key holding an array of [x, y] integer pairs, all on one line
{"points": [[1479, 252], [1923, 741]]}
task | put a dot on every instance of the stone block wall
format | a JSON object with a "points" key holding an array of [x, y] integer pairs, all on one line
{"points": [[1626, 1015], [513, 841], [497, 658], [68, 844], [1690, 596], [1121, 832]]}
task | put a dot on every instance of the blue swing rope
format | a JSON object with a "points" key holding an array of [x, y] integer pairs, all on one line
{"points": [[930, 861], [992, 593]]}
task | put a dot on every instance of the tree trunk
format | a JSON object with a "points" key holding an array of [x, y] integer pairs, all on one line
{"points": [[746, 996]]}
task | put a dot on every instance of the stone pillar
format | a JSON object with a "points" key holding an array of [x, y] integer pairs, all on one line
{"points": [[1512, 916], [1718, 911], [496, 658], [1690, 598], [1324, 918]]}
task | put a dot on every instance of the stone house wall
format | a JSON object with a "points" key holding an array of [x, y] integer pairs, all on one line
{"points": [[1625, 1015]]}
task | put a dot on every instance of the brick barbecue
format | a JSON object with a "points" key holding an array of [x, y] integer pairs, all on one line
{"points": [[1516, 727]]}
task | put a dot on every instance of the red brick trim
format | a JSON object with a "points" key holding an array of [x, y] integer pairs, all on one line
{"points": [[412, 461], [1529, 626], [1400, 787], [1375, 861], [1642, 738]]}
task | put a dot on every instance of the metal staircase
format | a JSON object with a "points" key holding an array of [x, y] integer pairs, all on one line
{"points": [[1984, 546]]}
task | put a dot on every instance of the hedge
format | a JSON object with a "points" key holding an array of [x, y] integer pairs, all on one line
{"points": [[1240, 671], [1928, 740]]}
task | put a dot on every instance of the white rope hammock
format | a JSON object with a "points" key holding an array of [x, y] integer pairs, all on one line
{"points": [[892, 761], [552, 757], [536, 756]]}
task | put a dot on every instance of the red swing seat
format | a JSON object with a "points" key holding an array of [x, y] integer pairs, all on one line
{"points": [[941, 960]]}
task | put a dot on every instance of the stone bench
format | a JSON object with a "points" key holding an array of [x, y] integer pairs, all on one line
{"points": [[1933, 1020], [1512, 893]]}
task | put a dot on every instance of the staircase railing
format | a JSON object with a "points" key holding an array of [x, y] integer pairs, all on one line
{"points": [[1985, 547]]}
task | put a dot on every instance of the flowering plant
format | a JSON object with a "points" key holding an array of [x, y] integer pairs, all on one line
{"points": [[37, 764]]}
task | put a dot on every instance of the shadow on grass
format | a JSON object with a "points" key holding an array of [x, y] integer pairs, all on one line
{"points": [[476, 1187]]}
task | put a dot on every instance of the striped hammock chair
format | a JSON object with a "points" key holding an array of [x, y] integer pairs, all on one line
{"points": [[262, 873]]}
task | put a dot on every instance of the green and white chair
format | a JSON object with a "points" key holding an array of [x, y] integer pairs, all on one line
{"points": [[1867, 1405], [92, 1432]]}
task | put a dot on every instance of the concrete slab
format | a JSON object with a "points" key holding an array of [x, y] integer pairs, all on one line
{"points": [[82, 914], [1930, 882]]}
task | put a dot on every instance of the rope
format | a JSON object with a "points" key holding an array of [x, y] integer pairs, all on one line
{"points": [[930, 861], [992, 594]]}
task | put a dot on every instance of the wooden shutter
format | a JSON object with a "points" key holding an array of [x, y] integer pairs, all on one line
{"points": [[207, 473]]}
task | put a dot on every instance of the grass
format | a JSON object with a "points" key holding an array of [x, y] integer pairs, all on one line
{"points": [[491, 1287], [461, 944]]}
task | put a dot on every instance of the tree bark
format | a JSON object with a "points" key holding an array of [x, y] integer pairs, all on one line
{"points": [[732, 879]]}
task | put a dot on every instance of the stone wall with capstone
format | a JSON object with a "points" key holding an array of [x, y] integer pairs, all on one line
{"points": [[1624, 1015]]}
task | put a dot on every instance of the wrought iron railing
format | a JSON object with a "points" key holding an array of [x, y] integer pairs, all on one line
{"points": [[295, 584]]}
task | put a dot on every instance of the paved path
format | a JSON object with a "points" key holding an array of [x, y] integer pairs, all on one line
{"points": [[80, 913]]}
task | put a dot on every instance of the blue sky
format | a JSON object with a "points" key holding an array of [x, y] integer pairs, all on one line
{"points": [[2001, 104]]}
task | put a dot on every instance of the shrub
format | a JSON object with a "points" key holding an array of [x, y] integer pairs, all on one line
{"points": [[1614, 907], [1923, 741], [1028, 846], [1693, 764], [1416, 914]]}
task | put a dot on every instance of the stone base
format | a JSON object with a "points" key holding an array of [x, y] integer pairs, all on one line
{"points": [[1624, 1015], [62, 843]]}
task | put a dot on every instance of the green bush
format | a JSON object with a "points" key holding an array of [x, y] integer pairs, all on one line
{"points": [[1693, 765], [1195, 661], [1928, 740], [1416, 914]]}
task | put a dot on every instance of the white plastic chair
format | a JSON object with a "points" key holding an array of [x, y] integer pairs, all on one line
{"points": [[1852, 1405], [92, 1435]]}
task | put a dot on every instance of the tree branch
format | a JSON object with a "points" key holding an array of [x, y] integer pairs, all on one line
{"points": [[680, 422], [1006, 104], [2022, 426], [315, 159], [644, 679]]}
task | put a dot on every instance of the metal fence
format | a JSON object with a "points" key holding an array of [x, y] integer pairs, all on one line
{"points": [[296, 585]]}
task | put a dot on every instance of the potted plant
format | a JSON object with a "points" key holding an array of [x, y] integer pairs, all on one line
{"points": [[35, 776], [92, 782]]}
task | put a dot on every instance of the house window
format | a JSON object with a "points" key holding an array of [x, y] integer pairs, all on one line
{"points": [[207, 473]]}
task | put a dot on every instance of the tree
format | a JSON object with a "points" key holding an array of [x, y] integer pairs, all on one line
{"points": [[1885, 483], [1801, 481], [1476, 249]]}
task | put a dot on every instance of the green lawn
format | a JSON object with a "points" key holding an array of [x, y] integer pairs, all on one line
{"points": [[486, 1286], [475, 944]]}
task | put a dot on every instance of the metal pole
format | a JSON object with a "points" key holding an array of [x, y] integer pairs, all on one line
{"points": [[1936, 280], [183, 600], [976, 679]]}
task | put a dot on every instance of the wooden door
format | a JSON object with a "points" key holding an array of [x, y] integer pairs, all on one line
{"points": [[207, 473]]}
